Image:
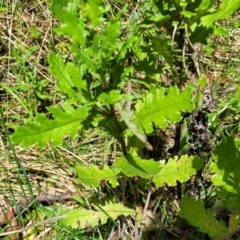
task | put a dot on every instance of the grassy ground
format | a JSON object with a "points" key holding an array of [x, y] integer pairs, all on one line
{"points": [[26, 38], [26, 87]]}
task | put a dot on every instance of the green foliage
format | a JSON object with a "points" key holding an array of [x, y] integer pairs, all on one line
{"points": [[127, 118], [161, 45], [225, 166], [225, 169], [169, 107], [160, 173], [178, 170], [199, 16], [226, 9], [69, 77], [135, 166], [83, 218], [42, 130], [171, 172], [92, 175], [195, 212], [105, 57]]}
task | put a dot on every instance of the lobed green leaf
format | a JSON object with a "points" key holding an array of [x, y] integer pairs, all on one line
{"points": [[83, 218], [135, 166], [71, 25], [225, 166], [195, 212], [110, 97], [43, 130], [171, 172], [69, 77], [92, 175], [161, 44], [158, 108], [178, 170]]}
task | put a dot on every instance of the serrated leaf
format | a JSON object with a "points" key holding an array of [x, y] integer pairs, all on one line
{"points": [[60, 6], [160, 43], [71, 25], [178, 170], [94, 10], [68, 76], [92, 175], [135, 166], [110, 97], [111, 33], [198, 216], [126, 46], [58, 69], [226, 155], [43, 130], [225, 165], [85, 58], [82, 218], [76, 73], [175, 170], [158, 108]]}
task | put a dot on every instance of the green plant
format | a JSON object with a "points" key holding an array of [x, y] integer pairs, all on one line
{"points": [[100, 83], [225, 177]]}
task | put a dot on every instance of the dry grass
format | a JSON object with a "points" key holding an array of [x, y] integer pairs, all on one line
{"points": [[18, 23], [26, 38]]}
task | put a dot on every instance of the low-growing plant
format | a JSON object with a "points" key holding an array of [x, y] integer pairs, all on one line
{"points": [[113, 79]]}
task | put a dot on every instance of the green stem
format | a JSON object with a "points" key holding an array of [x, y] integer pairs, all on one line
{"points": [[119, 130]]}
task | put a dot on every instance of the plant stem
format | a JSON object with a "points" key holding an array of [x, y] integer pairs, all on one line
{"points": [[120, 130]]}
